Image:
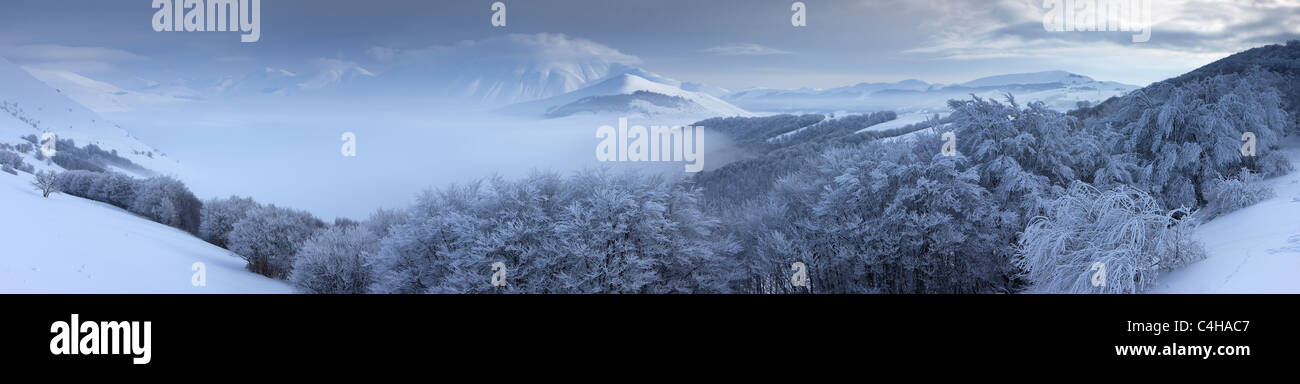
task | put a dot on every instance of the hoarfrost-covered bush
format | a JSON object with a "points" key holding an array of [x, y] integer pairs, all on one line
{"points": [[1124, 229], [14, 161], [591, 233], [336, 260], [879, 219], [168, 201], [161, 199], [114, 188], [269, 238], [219, 216], [1227, 195]]}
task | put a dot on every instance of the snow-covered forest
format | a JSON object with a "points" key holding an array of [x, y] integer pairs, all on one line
{"points": [[999, 196]]}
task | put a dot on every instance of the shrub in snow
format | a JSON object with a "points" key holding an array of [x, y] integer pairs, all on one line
{"points": [[1227, 195], [335, 260], [161, 199], [269, 238], [167, 201], [218, 218], [77, 182], [13, 161], [113, 188], [1124, 229], [10, 158]]}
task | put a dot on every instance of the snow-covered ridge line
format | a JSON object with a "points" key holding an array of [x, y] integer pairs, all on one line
{"points": [[33, 107], [787, 135], [701, 104]]}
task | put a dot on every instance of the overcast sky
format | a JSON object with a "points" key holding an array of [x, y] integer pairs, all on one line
{"points": [[730, 43]]}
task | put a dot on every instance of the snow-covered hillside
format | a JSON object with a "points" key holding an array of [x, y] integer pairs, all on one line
{"points": [[66, 244], [1252, 250], [602, 98], [30, 107]]}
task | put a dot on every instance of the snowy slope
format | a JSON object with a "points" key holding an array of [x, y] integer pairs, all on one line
{"points": [[903, 121], [31, 108], [66, 244], [700, 104], [1252, 250]]}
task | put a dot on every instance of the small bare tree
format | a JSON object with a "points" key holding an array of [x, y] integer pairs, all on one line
{"points": [[46, 182]]}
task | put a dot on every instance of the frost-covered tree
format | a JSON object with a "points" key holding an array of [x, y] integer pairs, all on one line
{"points": [[269, 238], [594, 232], [1175, 141], [77, 182], [1126, 230], [879, 218], [1022, 155], [381, 221], [219, 216], [336, 260], [417, 256], [114, 188], [167, 201], [46, 182], [637, 234]]}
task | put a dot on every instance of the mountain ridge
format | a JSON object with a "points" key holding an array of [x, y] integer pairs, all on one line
{"points": [[32, 107]]}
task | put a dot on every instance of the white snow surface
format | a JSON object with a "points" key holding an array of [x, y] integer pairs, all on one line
{"points": [[1252, 250], [903, 120], [66, 244]]}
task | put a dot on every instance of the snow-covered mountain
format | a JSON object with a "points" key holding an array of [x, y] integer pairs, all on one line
{"points": [[1058, 89], [629, 93], [707, 89], [502, 70], [1048, 77], [856, 90], [30, 107]]}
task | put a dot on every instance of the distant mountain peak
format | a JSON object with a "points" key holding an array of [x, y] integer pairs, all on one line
{"points": [[1045, 77], [630, 93]]}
